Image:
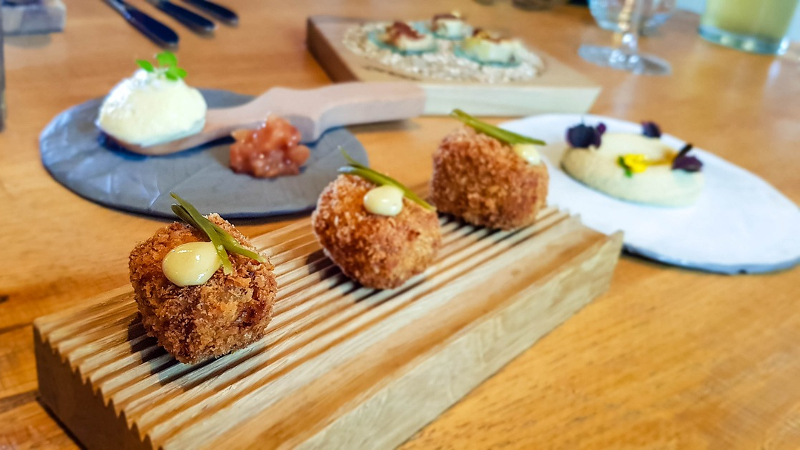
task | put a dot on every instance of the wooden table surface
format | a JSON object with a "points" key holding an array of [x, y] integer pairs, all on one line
{"points": [[668, 358]]}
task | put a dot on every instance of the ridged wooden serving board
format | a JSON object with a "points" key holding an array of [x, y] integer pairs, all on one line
{"points": [[342, 366]]}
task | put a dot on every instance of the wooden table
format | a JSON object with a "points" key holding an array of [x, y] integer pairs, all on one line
{"points": [[669, 358]]}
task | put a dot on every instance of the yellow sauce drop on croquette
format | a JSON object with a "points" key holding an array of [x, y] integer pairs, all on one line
{"points": [[384, 200], [191, 264], [528, 152]]}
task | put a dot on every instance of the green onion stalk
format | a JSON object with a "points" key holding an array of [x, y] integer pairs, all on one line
{"points": [[355, 168], [222, 240]]}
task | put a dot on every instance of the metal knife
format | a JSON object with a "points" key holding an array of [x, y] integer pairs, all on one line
{"points": [[153, 29], [215, 9], [192, 20]]}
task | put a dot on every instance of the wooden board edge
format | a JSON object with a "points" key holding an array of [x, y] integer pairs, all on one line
{"points": [[509, 100], [80, 409], [321, 48], [496, 351], [43, 324]]}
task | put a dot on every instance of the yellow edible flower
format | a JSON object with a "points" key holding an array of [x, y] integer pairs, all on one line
{"points": [[637, 163]]}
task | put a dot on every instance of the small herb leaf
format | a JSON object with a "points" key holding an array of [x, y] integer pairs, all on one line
{"points": [[167, 59], [146, 65], [628, 171], [167, 66], [173, 73]]}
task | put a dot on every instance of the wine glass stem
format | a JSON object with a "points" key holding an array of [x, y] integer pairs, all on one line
{"points": [[630, 20], [630, 42]]}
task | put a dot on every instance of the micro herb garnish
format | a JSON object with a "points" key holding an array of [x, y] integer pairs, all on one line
{"points": [[355, 168], [685, 162], [167, 66], [509, 137], [585, 136], [628, 171], [222, 240]]}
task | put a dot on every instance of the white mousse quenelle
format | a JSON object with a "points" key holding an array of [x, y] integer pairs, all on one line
{"points": [[153, 106]]}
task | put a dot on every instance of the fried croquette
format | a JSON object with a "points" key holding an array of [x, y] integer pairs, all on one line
{"points": [[377, 251], [193, 323], [484, 182]]}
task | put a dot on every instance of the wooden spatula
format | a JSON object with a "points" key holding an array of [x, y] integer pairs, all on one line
{"points": [[312, 111]]}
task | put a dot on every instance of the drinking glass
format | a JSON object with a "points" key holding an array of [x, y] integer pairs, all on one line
{"points": [[605, 12], [626, 56], [757, 26]]}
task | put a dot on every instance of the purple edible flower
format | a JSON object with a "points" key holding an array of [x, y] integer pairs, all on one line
{"points": [[584, 136], [685, 162], [650, 129]]}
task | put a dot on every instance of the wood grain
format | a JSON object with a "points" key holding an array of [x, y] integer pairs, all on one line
{"points": [[341, 366], [668, 358]]}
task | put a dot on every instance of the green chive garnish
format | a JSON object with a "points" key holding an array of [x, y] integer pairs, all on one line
{"points": [[354, 168], [222, 240], [232, 245], [167, 66], [509, 137], [628, 171]]}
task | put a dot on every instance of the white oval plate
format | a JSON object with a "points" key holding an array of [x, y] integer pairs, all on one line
{"points": [[740, 224]]}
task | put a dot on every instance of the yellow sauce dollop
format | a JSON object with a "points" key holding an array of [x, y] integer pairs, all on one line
{"points": [[528, 152], [384, 200], [191, 264]]}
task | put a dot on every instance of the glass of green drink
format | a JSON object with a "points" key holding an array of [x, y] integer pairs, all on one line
{"points": [[757, 26]]}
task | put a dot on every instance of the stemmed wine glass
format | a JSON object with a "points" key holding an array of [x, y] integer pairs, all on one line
{"points": [[626, 56]]}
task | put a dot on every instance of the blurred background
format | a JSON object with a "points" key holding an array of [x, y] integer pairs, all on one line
{"points": [[699, 5]]}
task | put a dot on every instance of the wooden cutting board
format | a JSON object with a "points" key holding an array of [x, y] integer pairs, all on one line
{"points": [[558, 89], [342, 366]]}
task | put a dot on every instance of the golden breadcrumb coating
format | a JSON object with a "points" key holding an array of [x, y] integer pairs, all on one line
{"points": [[483, 181], [226, 313], [377, 251]]}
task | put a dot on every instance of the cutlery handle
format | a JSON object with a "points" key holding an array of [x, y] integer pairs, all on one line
{"points": [[314, 111], [194, 21], [155, 30], [216, 10]]}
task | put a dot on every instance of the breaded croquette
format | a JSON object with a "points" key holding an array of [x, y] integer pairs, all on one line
{"points": [[377, 251], [484, 182], [223, 314]]}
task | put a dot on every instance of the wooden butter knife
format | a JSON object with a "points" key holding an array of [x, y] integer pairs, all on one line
{"points": [[312, 111]]}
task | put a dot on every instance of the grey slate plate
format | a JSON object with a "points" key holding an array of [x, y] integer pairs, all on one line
{"points": [[76, 155]]}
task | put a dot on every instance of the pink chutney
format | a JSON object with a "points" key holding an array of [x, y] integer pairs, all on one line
{"points": [[270, 151]]}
